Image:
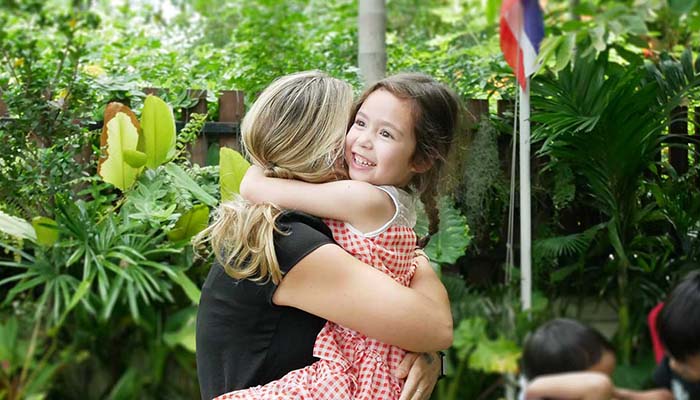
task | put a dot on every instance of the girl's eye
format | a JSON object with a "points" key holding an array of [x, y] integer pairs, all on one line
{"points": [[386, 134], [360, 123]]}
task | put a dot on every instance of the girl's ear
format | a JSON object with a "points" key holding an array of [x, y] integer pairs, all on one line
{"points": [[421, 166]]}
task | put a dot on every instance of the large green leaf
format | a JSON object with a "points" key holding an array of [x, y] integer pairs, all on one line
{"points": [[119, 133], [452, 238], [158, 139], [190, 223], [16, 227], [232, 168]]}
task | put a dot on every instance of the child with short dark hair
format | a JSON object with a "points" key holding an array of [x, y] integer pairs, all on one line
{"points": [[565, 359], [678, 324]]}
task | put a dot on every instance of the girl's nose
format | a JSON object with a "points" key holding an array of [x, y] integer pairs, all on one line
{"points": [[365, 139]]}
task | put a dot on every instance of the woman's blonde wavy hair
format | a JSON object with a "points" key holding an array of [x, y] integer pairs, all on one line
{"points": [[295, 130]]}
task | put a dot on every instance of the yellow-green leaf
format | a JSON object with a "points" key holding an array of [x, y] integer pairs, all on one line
{"points": [[46, 230], [120, 132], [190, 223], [232, 168], [499, 356], [134, 158], [158, 140]]}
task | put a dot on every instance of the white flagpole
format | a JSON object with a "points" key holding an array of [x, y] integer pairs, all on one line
{"points": [[525, 217]]}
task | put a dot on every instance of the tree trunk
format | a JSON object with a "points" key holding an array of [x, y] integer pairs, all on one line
{"points": [[372, 48]]}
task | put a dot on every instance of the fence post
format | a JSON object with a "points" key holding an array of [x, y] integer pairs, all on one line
{"points": [[476, 108], [678, 149], [200, 146], [3, 107], [231, 109]]}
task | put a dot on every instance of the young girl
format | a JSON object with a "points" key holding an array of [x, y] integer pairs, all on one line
{"points": [[395, 149]]}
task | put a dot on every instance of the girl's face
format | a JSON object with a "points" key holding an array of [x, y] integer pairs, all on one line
{"points": [[380, 143]]}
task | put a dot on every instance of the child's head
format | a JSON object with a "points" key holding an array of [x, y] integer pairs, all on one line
{"points": [[678, 324], [296, 127], [401, 131], [565, 345]]}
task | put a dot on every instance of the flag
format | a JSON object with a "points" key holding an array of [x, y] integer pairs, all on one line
{"points": [[522, 30]]}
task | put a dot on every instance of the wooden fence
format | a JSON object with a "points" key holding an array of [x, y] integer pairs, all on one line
{"points": [[226, 131]]}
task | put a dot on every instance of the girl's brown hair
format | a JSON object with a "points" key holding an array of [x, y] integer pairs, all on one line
{"points": [[295, 129], [436, 117]]}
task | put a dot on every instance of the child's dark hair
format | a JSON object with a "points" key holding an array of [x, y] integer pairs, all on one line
{"points": [[678, 322], [562, 345], [436, 116]]}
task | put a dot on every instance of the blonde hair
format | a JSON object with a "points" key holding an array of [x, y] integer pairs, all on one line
{"points": [[295, 130]]}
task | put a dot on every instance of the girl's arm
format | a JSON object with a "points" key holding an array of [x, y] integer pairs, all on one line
{"points": [[333, 285], [652, 394], [359, 203], [571, 385]]}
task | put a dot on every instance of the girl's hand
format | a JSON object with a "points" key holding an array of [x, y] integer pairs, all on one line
{"points": [[421, 371]]}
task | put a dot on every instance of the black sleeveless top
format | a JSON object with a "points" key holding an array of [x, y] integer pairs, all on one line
{"points": [[243, 339]]}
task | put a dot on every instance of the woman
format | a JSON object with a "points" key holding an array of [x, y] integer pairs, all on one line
{"points": [[279, 275]]}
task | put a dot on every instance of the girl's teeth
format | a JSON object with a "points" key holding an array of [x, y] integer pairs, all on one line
{"points": [[363, 162]]}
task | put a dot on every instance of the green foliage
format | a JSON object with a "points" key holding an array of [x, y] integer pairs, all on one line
{"points": [[41, 53], [605, 122], [452, 238]]}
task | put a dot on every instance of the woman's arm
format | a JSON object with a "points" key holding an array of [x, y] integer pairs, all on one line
{"points": [[334, 285], [359, 203]]}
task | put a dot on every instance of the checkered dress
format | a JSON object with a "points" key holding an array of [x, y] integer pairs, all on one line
{"points": [[351, 365]]}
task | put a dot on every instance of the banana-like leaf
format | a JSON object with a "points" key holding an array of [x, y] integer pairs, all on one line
{"points": [[232, 168], [46, 230], [16, 227], [190, 223], [120, 132], [158, 138]]}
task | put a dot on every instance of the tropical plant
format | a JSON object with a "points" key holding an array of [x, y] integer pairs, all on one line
{"points": [[605, 121]]}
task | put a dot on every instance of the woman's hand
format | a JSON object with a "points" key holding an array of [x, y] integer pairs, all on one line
{"points": [[421, 371]]}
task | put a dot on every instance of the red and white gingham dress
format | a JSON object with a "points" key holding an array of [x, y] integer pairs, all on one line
{"points": [[351, 365]]}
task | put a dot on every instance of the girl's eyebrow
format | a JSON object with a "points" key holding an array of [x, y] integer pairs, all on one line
{"points": [[383, 122]]}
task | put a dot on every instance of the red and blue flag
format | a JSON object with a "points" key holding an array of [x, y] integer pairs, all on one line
{"points": [[522, 30]]}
